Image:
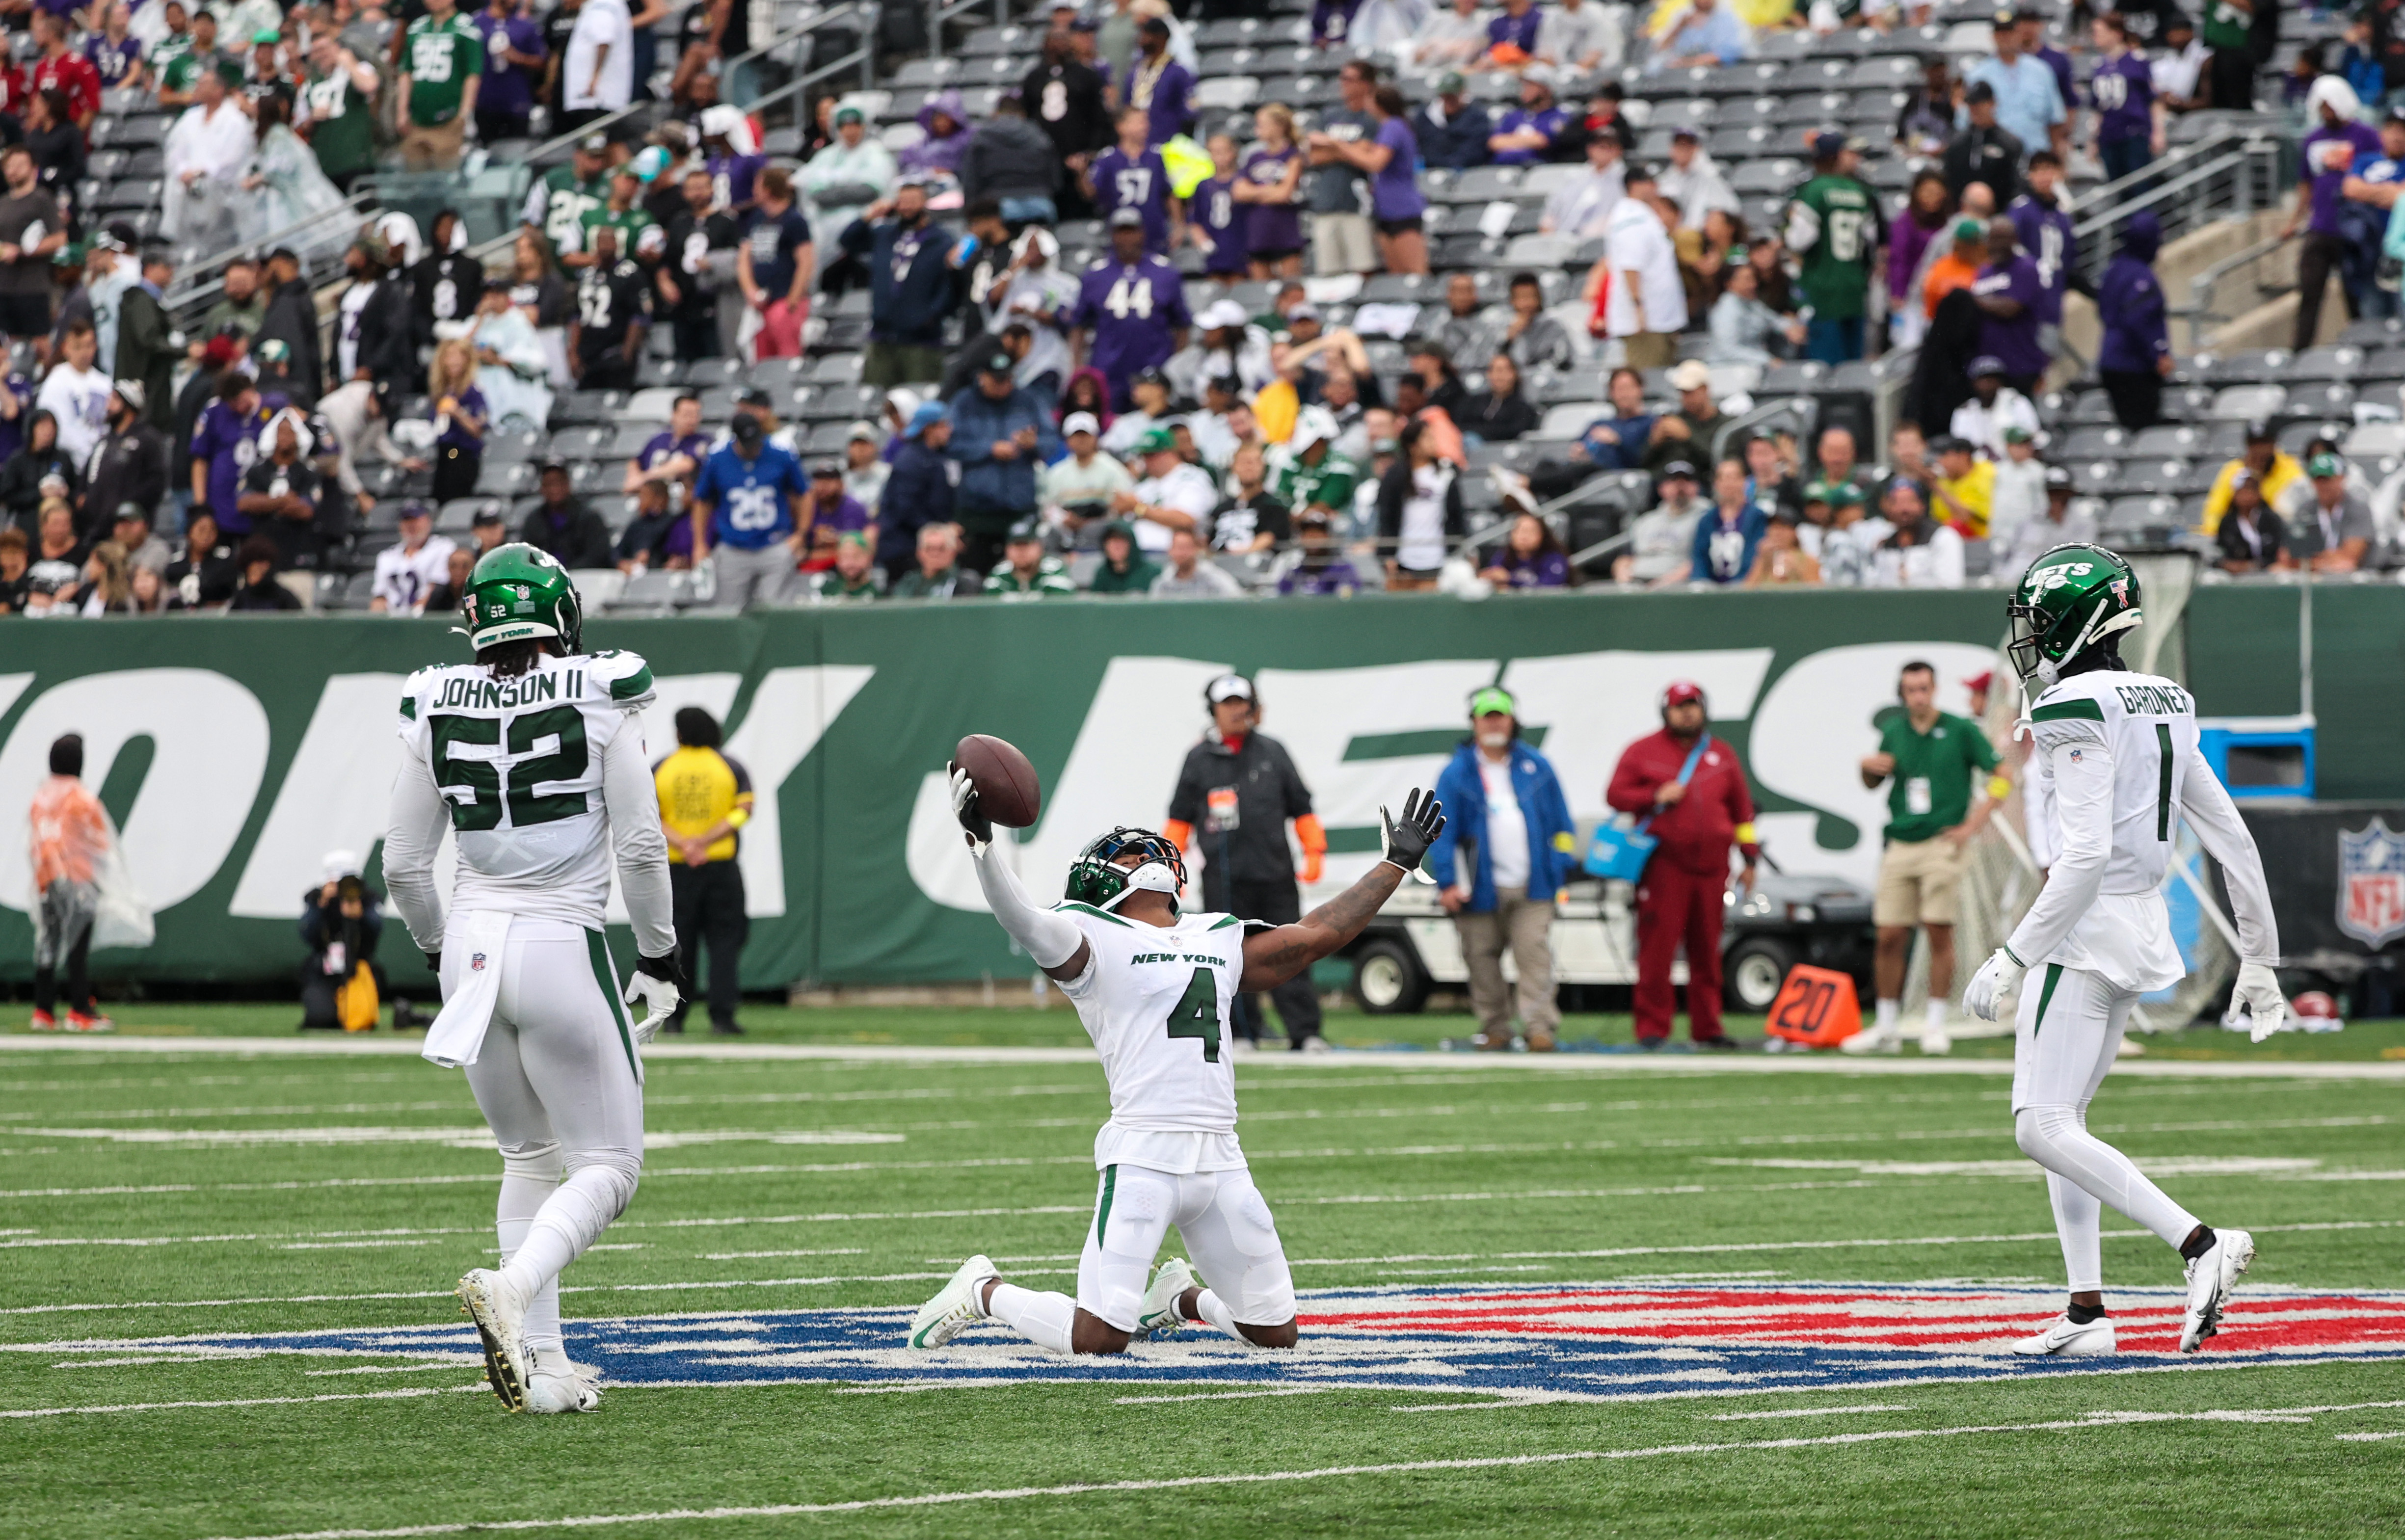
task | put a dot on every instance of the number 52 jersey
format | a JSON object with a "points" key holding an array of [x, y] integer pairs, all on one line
{"points": [[519, 763], [1154, 1001]]}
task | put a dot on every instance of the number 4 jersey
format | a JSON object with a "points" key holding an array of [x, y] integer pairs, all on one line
{"points": [[1154, 1001], [520, 763]]}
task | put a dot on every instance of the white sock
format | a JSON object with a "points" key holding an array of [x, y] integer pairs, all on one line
{"points": [[527, 1183], [1887, 1011], [2078, 1223], [1213, 1309], [1935, 1015], [2056, 1138], [569, 1219], [1042, 1318]]}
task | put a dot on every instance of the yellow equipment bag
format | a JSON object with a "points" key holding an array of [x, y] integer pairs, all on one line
{"points": [[356, 1004]]}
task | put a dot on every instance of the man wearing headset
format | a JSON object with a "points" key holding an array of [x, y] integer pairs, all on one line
{"points": [[1236, 794], [1682, 896]]}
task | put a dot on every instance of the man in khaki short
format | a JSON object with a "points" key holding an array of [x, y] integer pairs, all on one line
{"points": [[1931, 760]]}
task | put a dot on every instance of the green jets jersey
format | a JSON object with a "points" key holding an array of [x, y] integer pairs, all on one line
{"points": [[442, 57], [343, 123], [628, 223], [1838, 265], [2226, 26], [186, 67], [1329, 484], [565, 201]]}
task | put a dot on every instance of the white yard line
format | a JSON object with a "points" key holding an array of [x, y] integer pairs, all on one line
{"points": [[1642, 1064], [1727, 1416], [409, 1393], [1184, 1483]]}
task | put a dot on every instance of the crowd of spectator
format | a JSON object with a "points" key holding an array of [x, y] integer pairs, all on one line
{"points": [[1114, 420]]}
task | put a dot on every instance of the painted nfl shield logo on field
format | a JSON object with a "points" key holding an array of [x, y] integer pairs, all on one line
{"points": [[2372, 884]]}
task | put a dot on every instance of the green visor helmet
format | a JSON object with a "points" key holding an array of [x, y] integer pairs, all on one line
{"points": [[2071, 598], [519, 591], [1098, 878]]}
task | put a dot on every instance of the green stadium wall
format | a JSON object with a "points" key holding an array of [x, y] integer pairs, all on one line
{"points": [[236, 752]]}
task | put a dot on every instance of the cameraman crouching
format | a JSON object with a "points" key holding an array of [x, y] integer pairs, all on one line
{"points": [[342, 987]]}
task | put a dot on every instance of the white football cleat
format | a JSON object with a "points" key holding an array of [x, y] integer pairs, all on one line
{"points": [[1158, 1315], [2063, 1339], [1871, 1039], [2210, 1279], [486, 1298], [573, 1391], [956, 1304], [1936, 1039]]}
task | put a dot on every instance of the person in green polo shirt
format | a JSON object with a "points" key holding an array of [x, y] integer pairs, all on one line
{"points": [[622, 212], [201, 53], [1930, 760], [440, 70]]}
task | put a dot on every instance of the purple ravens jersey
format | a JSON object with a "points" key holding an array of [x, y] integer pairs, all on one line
{"points": [[1133, 310], [1142, 185]]}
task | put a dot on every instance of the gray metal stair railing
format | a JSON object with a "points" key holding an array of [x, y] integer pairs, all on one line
{"points": [[2237, 172]]}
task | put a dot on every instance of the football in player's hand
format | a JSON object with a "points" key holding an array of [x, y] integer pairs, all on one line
{"points": [[1008, 790]]}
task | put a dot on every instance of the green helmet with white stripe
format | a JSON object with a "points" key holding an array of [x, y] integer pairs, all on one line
{"points": [[2070, 599], [518, 591]]}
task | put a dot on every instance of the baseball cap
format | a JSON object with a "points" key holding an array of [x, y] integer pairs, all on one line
{"points": [[594, 143], [1947, 444], [2258, 430], [1827, 144], [863, 431], [1970, 230], [849, 112], [1127, 218], [1221, 313], [1230, 687], [416, 509], [1304, 311], [926, 415], [1155, 440], [131, 392], [132, 511], [1153, 26], [1681, 691], [1226, 385], [996, 362], [1980, 92], [1984, 364], [754, 396], [552, 463], [1844, 494], [827, 471], [1686, 131], [1818, 491], [1491, 700], [1026, 529], [488, 514], [267, 35], [1450, 83], [2325, 463], [1150, 376], [746, 431], [1691, 375], [2058, 478], [1677, 470], [2017, 434], [1079, 422], [2003, 19]]}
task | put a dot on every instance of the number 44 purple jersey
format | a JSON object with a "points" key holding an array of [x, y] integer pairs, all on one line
{"points": [[1133, 310]]}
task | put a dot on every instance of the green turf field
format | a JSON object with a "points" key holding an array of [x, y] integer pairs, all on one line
{"points": [[182, 1190]]}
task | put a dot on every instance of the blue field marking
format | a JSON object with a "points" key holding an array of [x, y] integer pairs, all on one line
{"points": [[1576, 1341]]}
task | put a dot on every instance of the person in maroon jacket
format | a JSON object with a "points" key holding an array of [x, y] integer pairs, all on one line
{"points": [[1685, 883]]}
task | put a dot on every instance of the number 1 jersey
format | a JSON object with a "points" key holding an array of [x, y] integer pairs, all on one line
{"points": [[1154, 1001], [519, 762]]}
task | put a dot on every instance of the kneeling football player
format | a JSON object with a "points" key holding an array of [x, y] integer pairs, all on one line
{"points": [[1153, 987]]}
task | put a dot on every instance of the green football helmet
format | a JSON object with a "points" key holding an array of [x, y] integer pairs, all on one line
{"points": [[2071, 598], [519, 591], [1096, 876]]}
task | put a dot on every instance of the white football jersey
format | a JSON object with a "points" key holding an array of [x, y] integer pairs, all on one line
{"points": [[1154, 1001], [519, 762], [2141, 728]]}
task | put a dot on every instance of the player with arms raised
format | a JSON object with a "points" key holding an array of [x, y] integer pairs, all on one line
{"points": [[533, 756], [2119, 750], [1153, 987]]}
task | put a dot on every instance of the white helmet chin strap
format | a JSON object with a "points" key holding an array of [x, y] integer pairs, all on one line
{"points": [[1153, 877]]}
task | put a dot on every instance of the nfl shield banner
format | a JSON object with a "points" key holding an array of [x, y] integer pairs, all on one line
{"points": [[2372, 884]]}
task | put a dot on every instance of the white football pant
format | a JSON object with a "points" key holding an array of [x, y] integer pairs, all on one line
{"points": [[2066, 1036], [558, 1083]]}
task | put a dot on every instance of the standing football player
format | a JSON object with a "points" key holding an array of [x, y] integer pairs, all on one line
{"points": [[1153, 987], [2118, 751], [533, 755]]}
